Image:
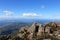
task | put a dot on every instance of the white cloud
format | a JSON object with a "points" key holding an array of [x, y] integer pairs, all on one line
{"points": [[8, 13], [30, 15]]}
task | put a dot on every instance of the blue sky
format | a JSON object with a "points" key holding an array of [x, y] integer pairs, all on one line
{"points": [[42, 9]]}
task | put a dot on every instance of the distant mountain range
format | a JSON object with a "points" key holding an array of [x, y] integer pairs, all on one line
{"points": [[42, 21], [13, 27]]}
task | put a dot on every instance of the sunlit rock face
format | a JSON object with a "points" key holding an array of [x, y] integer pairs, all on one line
{"points": [[22, 32], [30, 36], [47, 29], [41, 30], [23, 28], [32, 28], [36, 28]]}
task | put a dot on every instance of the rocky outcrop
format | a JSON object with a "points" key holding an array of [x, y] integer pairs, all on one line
{"points": [[35, 30], [38, 32]]}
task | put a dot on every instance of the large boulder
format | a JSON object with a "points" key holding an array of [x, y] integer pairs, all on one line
{"points": [[34, 27]]}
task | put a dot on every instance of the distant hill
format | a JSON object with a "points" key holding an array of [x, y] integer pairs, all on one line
{"points": [[13, 27]]}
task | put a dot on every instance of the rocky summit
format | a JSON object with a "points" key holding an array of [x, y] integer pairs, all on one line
{"points": [[48, 31]]}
